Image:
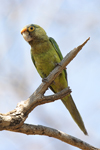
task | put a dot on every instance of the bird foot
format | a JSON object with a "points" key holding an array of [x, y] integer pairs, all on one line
{"points": [[53, 82], [44, 80], [57, 64]]}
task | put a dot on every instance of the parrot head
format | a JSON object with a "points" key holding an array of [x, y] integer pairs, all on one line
{"points": [[33, 33]]}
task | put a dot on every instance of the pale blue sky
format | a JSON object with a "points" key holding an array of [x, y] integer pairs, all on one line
{"points": [[70, 23]]}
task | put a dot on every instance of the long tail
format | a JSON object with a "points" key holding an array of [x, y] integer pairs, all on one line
{"points": [[70, 105]]}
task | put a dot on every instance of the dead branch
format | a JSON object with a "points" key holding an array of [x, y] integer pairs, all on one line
{"points": [[14, 120], [42, 130]]}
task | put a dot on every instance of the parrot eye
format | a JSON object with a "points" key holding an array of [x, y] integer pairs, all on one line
{"points": [[31, 28]]}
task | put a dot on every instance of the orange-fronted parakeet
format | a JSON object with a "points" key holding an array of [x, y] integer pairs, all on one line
{"points": [[45, 54]]}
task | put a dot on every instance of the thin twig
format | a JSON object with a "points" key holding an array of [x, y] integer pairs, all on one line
{"points": [[52, 98]]}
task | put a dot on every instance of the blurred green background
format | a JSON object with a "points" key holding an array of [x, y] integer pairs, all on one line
{"points": [[70, 23]]}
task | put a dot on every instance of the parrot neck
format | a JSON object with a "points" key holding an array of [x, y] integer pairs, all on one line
{"points": [[40, 47], [38, 40]]}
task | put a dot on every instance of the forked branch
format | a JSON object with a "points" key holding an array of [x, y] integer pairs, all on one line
{"points": [[14, 120]]}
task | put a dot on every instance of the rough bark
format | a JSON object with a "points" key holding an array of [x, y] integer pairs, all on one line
{"points": [[14, 120]]}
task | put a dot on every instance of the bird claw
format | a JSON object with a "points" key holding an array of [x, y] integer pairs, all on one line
{"points": [[57, 64], [44, 80], [53, 82]]}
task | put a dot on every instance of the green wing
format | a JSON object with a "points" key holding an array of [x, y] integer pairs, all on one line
{"points": [[33, 59], [55, 45]]}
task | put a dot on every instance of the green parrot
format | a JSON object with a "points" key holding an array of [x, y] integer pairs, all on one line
{"points": [[45, 54]]}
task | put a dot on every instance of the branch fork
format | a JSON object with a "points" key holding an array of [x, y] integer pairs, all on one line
{"points": [[14, 120]]}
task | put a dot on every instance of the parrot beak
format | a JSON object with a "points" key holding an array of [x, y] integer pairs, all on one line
{"points": [[26, 35], [23, 30]]}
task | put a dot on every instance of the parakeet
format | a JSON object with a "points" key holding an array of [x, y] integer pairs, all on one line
{"points": [[45, 54]]}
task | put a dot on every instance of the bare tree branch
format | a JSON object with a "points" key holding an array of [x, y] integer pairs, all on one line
{"points": [[14, 120], [16, 117], [42, 130], [56, 96]]}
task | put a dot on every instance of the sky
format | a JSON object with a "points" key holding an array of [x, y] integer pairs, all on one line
{"points": [[70, 23]]}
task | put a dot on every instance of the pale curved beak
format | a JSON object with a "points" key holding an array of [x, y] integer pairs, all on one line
{"points": [[23, 30], [26, 35]]}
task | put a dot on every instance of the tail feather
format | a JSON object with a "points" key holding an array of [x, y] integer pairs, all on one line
{"points": [[70, 105]]}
